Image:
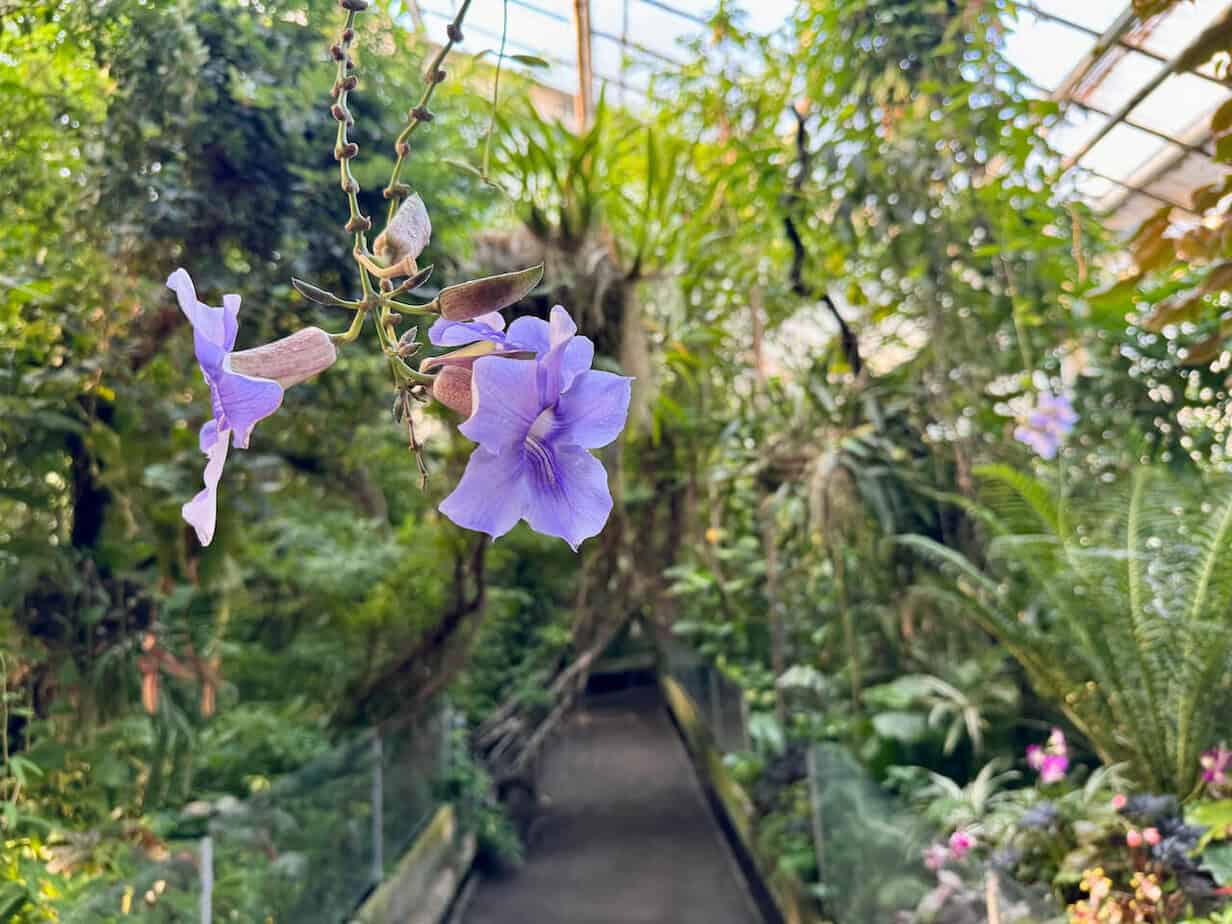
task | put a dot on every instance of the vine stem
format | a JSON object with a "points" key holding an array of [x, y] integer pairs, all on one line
{"points": [[419, 113], [500, 60]]}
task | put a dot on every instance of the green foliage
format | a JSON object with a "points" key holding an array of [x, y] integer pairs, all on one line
{"points": [[1115, 606]]}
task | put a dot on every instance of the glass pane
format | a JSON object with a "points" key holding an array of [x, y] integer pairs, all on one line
{"points": [[1045, 51], [1178, 104], [1123, 151], [1111, 88], [1180, 26], [1094, 14]]}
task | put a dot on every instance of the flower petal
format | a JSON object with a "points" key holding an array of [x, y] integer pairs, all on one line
{"points": [[459, 333], [217, 326], [567, 492], [593, 411], [530, 334], [579, 354], [534, 335], [506, 401], [202, 511], [243, 401], [491, 497]]}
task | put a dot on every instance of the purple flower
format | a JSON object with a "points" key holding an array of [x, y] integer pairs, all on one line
{"points": [[1215, 765], [1047, 425], [245, 387], [534, 421]]}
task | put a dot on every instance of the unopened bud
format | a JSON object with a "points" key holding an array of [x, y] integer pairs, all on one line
{"points": [[454, 31], [452, 388], [350, 83], [407, 235], [348, 35], [403, 149], [359, 222], [350, 185], [290, 360], [355, 6], [468, 300], [338, 111], [346, 151], [422, 114], [397, 191], [336, 52], [438, 75]]}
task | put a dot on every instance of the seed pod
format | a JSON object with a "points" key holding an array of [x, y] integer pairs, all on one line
{"points": [[469, 300], [452, 388], [290, 360]]}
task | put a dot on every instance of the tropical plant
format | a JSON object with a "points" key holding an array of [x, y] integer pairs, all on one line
{"points": [[1116, 606]]}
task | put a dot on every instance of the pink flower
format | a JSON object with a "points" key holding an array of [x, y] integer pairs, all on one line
{"points": [[1151, 836], [935, 856], [1119, 802], [1035, 756], [1133, 838], [1215, 765], [960, 843], [1054, 768]]}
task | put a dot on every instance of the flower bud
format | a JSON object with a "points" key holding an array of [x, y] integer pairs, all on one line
{"points": [[469, 300], [1133, 838], [407, 235], [290, 360], [452, 388]]}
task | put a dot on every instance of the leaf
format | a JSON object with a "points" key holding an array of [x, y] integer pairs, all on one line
{"points": [[1216, 814], [1217, 859], [765, 731], [530, 61], [908, 727], [463, 166], [313, 294], [1221, 121]]}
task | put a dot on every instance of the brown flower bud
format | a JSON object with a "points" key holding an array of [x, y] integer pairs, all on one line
{"points": [[336, 52], [403, 149], [452, 388], [359, 222], [348, 35], [338, 111], [290, 360], [355, 6], [469, 300], [407, 235], [346, 151], [454, 31]]}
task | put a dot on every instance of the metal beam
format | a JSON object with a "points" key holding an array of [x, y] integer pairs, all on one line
{"points": [[581, 102], [1110, 37], [1195, 149], [1139, 190], [1151, 86]]}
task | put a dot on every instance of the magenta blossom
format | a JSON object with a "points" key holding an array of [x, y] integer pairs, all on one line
{"points": [[936, 856], [1047, 425], [245, 387], [961, 843], [534, 421], [1052, 760], [1215, 766]]}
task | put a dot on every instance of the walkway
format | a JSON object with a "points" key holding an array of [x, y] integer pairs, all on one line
{"points": [[628, 836]]}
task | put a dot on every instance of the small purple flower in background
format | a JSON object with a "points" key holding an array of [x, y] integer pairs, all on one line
{"points": [[1047, 425], [534, 421], [245, 387], [961, 843], [1215, 766], [1052, 760]]}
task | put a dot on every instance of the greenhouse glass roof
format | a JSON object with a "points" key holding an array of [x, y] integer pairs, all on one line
{"points": [[1134, 132]]}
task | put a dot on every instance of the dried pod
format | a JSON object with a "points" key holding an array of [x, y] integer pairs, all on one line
{"points": [[452, 388], [290, 360], [469, 300]]}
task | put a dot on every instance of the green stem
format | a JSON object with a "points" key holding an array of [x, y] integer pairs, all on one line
{"points": [[500, 60], [393, 191]]}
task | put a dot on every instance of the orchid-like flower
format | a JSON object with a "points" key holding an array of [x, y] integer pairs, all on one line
{"points": [[534, 421], [1047, 425], [245, 387], [1052, 760]]}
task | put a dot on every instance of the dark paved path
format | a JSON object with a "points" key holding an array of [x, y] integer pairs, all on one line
{"points": [[628, 837]]}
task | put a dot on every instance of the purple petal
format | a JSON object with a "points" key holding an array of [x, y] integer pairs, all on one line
{"points": [[217, 326], [491, 497], [567, 492], [530, 334], [506, 396], [208, 436], [202, 511], [561, 331], [579, 354], [593, 412], [242, 402], [460, 333]]}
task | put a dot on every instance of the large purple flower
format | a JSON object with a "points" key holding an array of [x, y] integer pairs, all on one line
{"points": [[1047, 425], [245, 387], [534, 421]]}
